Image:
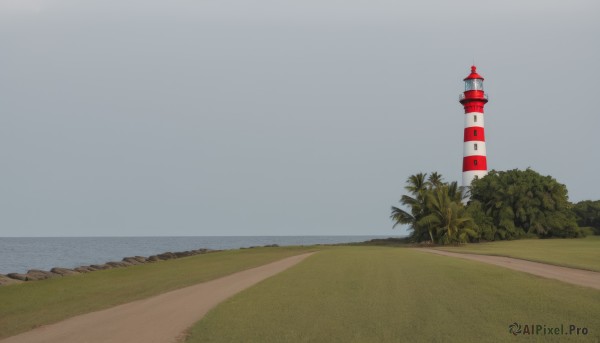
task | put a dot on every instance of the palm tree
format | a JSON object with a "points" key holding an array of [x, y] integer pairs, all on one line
{"points": [[457, 193], [417, 186], [447, 216], [436, 211], [435, 180]]}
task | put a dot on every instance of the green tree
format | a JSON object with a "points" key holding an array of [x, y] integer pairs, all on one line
{"points": [[588, 214], [447, 217], [435, 180], [436, 212], [484, 225], [524, 203], [417, 187]]}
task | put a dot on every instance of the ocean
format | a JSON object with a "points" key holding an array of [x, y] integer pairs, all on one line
{"points": [[18, 255]]}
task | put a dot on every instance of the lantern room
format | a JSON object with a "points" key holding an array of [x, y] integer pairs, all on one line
{"points": [[473, 82]]}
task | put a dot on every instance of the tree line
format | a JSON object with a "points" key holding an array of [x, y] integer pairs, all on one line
{"points": [[502, 205]]}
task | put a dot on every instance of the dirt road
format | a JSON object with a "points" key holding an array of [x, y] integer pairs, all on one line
{"points": [[575, 276], [161, 319]]}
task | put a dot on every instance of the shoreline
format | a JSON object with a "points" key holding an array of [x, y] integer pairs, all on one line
{"points": [[19, 255], [38, 274]]}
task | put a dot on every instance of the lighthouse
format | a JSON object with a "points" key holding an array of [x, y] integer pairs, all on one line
{"points": [[473, 100]]}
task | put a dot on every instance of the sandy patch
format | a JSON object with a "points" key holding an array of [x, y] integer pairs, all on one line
{"points": [[161, 319], [570, 275]]}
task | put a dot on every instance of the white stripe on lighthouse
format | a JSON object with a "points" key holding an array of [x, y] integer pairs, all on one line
{"points": [[469, 176], [474, 119], [471, 148]]}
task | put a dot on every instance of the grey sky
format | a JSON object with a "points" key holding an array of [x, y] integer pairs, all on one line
{"points": [[277, 117]]}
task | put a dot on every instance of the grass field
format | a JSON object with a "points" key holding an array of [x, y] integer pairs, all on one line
{"points": [[382, 294], [583, 253], [25, 306]]}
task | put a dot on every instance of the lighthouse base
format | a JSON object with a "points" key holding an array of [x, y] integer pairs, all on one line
{"points": [[469, 176]]}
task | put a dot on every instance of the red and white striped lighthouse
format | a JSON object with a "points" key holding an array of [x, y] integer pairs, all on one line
{"points": [[474, 155]]}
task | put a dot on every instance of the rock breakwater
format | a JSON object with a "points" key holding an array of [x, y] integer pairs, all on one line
{"points": [[36, 274]]}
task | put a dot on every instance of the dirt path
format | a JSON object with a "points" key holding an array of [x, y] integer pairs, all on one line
{"points": [[575, 276], [162, 318]]}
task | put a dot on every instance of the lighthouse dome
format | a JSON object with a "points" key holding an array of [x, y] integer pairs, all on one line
{"points": [[473, 74]]}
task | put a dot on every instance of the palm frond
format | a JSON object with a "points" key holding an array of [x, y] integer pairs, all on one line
{"points": [[401, 217]]}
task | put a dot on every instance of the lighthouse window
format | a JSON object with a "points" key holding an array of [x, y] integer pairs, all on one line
{"points": [[475, 146], [475, 118], [474, 162], [474, 132], [474, 85]]}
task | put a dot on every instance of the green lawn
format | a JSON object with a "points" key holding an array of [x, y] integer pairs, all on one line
{"points": [[583, 253], [382, 294], [25, 306]]}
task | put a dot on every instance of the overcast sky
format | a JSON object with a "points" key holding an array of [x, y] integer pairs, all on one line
{"points": [[230, 117]]}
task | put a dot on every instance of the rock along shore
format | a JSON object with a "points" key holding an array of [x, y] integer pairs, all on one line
{"points": [[36, 274]]}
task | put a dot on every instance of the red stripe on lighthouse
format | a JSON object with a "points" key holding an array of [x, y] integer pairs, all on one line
{"points": [[474, 106], [474, 133], [476, 162]]}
